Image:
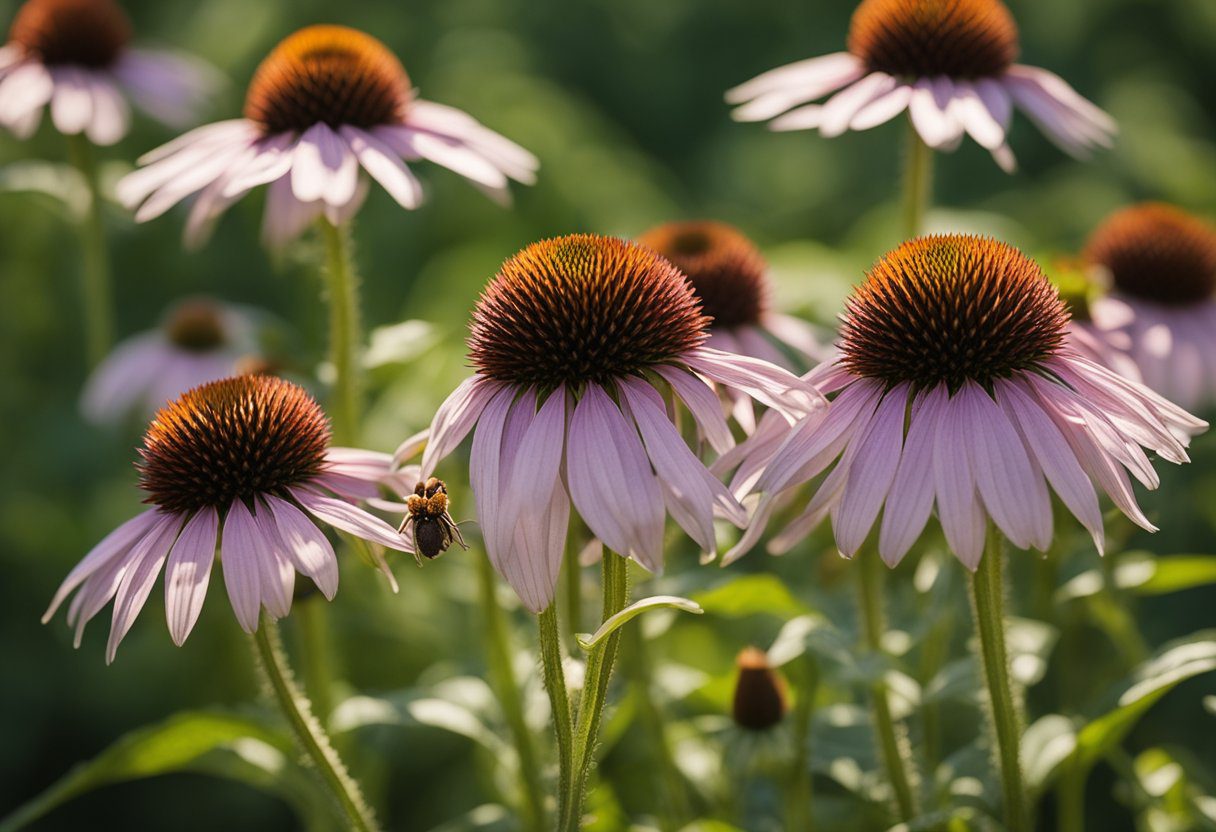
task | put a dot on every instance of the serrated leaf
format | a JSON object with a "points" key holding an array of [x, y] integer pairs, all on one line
{"points": [[635, 609], [183, 742]]}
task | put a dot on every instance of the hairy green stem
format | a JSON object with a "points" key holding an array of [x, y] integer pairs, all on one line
{"points": [[892, 741], [311, 621], [552, 655], [988, 603], [600, 661], [345, 333], [95, 289], [498, 659], [918, 183], [572, 572], [314, 742]]}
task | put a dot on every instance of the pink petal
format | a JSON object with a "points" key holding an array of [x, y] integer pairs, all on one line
{"points": [[350, 519], [959, 511], [111, 115], [534, 561], [842, 107], [930, 114], [702, 403], [189, 572], [385, 166], [446, 151], [883, 108], [513, 160], [305, 545], [286, 217], [537, 458], [324, 167], [242, 546], [143, 565], [455, 418], [779, 89], [779, 389], [71, 102], [976, 118], [872, 472], [910, 498], [610, 480], [116, 543], [485, 472]]}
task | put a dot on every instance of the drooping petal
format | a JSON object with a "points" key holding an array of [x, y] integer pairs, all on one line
{"points": [[143, 566], [910, 498], [455, 418], [110, 117], [241, 547], [702, 403], [351, 519], [779, 389], [71, 101], [872, 472], [113, 545], [189, 572], [535, 560], [385, 166], [779, 89], [305, 545], [958, 508], [286, 217], [840, 109], [929, 107], [324, 167], [610, 480]]}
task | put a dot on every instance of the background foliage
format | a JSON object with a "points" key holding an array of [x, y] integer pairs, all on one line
{"points": [[621, 100]]}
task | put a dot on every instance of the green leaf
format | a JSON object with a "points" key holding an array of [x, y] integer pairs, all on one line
{"points": [[1175, 663], [635, 609], [810, 634], [751, 595], [1172, 574], [1046, 744], [184, 742]]}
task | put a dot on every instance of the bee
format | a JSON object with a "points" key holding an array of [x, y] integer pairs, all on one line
{"points": [[432, 528]]}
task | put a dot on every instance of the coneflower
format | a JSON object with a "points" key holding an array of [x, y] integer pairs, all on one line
{"points": [[956, 389], [238, 470], [200, 340], [1159, 264], [730, 278]]}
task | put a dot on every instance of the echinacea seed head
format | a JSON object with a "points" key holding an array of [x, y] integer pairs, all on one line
{"points": [[1156, 252], [950, 308], [760, 697], [87, 33], [580, 309], [962, 39], [196, 326], [229, 439], [725, 269], [328, 74]]}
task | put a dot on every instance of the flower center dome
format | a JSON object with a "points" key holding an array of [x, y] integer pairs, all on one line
{"points": [[1158, 253], [89, 33]]}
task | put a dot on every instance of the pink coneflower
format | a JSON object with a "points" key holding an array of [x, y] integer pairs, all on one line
{"points": [[240, 467], [949, 63], [1160, 265], [74, 55], [199, 341], [956, 388], [326, 102], [576, 341], [729, 277]]}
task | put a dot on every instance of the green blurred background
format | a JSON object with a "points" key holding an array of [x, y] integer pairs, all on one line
{"points": [[622, 102]]}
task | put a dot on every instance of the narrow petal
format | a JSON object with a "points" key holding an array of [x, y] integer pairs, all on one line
{"points": [[455, 418], [779, 89], [882, 108], [113, 545], [779, 389], [241, 548], [910, 499], [538, 457], [305, 545], [71, 102], [702, 403], [931, 116], [610, 480], [839, 111], [960, 513], [111, 115], [189, 572], [324, 167], [385, 166], [351, 519], [485, 472], [872, 472], [286, 217], [535, 560], [144, 566], [976, 118], [446, 151]]}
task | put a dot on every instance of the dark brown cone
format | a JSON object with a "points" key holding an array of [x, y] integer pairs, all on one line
{"points": [[88, 33], [196, 326], [1158, 253], [760, 699], [923, 38], [583, 308]]}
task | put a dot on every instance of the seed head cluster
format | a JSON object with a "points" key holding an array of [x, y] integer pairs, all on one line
{"points": [[88, 33], [951, 308], [1158, 253], [329, 74], [923, 38], [583, 308], [237, 437], [725, 269]]}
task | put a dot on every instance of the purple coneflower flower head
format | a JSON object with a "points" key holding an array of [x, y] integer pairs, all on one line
{"points": [[949, 63], [327, 108], [760, 701], [576, 343], [200, 340], [956, 389], [75, 56], [241, 468], [1160, 265], [730, 278]]}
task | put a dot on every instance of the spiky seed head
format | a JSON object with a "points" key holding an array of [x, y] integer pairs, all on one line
{"points": [[924, 38], [331, 74], [229, 439], [88, 33], [945, 309], [1156, 252], [726, 270], [583, 308]]}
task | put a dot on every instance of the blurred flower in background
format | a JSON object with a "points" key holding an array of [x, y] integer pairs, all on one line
{"points": [[325, 102], [243, 465], [729, 276], [1160, 266], [200, 340], [956, 386], [760, 700], [949, 63], [588, 328], [75, 56]]}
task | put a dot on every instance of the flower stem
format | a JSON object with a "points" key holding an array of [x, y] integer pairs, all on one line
{"points": [[95, 291], [600, 660], [572, 571], [498, 658], [345, 334], [988, 600], [276, 672], [892, 743], [918, 183], [311, 618], [551, 655], [805, 676]]}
